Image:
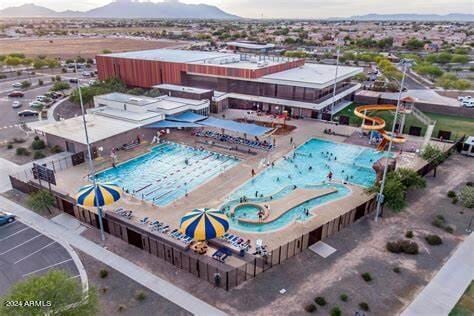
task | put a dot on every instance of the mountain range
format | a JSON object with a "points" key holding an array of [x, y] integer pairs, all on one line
{"points": [[169, 9], [174, 9]]}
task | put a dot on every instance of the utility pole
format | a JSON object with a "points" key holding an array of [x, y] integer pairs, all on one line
{"points": [[380, 197]]}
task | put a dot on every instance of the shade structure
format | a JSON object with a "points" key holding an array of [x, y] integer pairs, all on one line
{"points": [[204, 224], [104, 194]]}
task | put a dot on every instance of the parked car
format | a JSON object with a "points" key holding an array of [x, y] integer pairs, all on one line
{"points": [[468, 103], [26, 113], [54, 95], [73, 80], [16, 104], [16, 94], [43, 98], [6, 218], [86, 73], [466, 98], [17, 85], [92, 82], [36, 104]]}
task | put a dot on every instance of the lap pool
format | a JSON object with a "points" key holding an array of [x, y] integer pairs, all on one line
{"points": [[167, 172], [306, 167]]}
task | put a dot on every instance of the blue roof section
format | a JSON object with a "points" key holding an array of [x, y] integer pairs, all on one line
{"points": [[251, 129], [187, 116], [172, 124]]}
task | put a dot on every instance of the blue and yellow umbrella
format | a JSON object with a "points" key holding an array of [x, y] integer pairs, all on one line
{"points": [[204, 224], [104, 194]]}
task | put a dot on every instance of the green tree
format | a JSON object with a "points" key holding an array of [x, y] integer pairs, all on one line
{"points": [[25, 84], [414, 44], [444, 58], [106, 51], [433, 154], [12, 61], [41, 201], [430, 70], [64, 294], [60, 86]]}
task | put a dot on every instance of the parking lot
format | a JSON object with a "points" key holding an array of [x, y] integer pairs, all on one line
{"points": [[9, 120], [25, 252]]}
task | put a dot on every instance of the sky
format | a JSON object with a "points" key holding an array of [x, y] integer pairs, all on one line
{"points": [[288, 8]]}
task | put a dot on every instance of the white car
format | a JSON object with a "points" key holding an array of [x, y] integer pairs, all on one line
{"points": [[92, 82], [41, 98], [36, 104], [17, 85], [468, 103], [86, 73], [466, 98], [16, 104]]}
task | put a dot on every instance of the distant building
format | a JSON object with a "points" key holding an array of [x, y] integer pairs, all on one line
{"points": [[249, 47]]}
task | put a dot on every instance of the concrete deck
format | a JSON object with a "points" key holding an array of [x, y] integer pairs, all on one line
{"points": [[279, 207]]}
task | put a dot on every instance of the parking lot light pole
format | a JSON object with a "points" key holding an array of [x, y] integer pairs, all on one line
{"points": [[89, 153], [380, 196]]}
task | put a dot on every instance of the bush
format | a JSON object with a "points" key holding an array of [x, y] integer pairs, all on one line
{"points": [[38, 144], [366, 276], [433, 240], [141, 296], [344, 297], [409, 234], [451, 194], [122, 307], [38, 155], [364, 306], [396, 270], [103, 273], [321, 301], [9, 146], [437, 223], [22, 151], [440, 217], [454, 200], [40, 82], [335, 311], [467, 196], [310, 308], [409, 247], [394, 246], [56, 149], [449, 229]]}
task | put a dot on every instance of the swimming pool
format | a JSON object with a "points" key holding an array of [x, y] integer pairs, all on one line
{"points": [[306, 167], [167, 172]]}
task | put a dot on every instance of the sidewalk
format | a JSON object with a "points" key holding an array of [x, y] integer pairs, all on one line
{"points": [[449, 284], [136, 273]]}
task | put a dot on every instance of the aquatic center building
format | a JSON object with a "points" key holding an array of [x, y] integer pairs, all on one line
{"points": [[254, 82]]}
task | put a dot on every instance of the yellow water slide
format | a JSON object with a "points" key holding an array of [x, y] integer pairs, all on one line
{"points": [[375, 123]]}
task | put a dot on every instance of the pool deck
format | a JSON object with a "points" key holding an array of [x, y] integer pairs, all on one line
{"points": [[279, 207], [212, 193]]}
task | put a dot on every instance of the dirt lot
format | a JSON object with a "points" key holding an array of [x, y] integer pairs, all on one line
{"points": [[86, 47]]}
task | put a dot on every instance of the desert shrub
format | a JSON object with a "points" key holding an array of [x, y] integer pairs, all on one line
{"points": [[122, 307], [344, 297], [440, 217], [394, 246], [451, 194], [22, 151], [335, 311], [449, 229], [467, 196], [437, 223], [141, 296], [366, 276], [364, 306], [321, 301], [409, 247], [56, 149], [469, 184], [433, 240], [9, 146], [396, 270], [38, 144], [409, 234], [38, 155], [454, 200], [103, 273], [104, 289], [310, 308]]}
